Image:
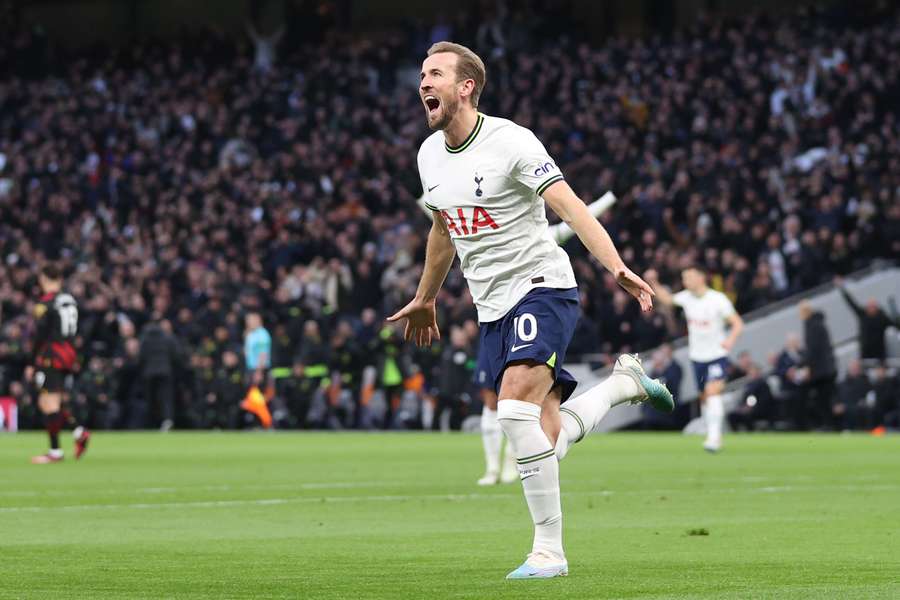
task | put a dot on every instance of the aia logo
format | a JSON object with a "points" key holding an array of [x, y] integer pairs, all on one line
{"points": [[544, 169], [468, 224], [478, 181]]}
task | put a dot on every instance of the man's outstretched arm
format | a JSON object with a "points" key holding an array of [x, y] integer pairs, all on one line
{"points": [[561, 232], [421, 324], [592, 234], [662, 292]]}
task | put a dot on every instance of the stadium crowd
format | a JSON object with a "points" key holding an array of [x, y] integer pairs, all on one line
{"points": [[187, 184]]}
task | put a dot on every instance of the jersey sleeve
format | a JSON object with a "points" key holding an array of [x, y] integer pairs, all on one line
{"points": [[680, 298], [531, 165], [726, 308], [426, 195]]}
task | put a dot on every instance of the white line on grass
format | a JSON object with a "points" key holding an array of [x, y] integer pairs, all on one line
{"points": [[257, 502], [334, 485], [408, 498], [376, 484]]}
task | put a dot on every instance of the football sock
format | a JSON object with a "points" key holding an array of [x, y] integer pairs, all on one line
{"points": [[509, 460], [53, 422], [714, 413], [538, 470], [581, 414], [492, 437]]}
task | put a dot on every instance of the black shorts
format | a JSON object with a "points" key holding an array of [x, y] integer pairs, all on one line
{"points": [[53, 381]]}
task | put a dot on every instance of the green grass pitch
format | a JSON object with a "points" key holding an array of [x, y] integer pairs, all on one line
{"points": [[293, 515]]}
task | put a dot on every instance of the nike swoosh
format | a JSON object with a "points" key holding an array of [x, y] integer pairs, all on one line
{"points": [[527, 476], [517, 348], [431, 188]]}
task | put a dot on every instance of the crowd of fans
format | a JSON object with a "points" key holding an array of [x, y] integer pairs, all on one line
{"points": [[186, 183], [801, 389]]}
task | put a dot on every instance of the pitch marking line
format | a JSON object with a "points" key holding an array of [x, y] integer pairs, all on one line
{"points": [[407, 498]]}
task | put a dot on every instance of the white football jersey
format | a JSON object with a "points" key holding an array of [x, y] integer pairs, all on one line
{"points": [[706, 319], [488, 190]]}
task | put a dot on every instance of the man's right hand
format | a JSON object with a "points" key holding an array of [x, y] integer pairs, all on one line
{"points": [[421, 321]]}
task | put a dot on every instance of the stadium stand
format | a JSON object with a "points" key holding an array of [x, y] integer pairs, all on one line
{"points": [[182, 186]]}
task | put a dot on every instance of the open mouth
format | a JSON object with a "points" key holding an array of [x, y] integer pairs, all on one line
{"points": [[432, 103]]}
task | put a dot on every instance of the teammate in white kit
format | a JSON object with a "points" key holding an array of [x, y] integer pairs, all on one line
{"points": [[707, 312], [486, 180]]}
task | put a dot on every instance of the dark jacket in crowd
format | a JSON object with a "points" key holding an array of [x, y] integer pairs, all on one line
{"points": [[871, 328], [783, 364], [159, 352], [852, 391], [671, 376], [457, 365], [819, 352]]}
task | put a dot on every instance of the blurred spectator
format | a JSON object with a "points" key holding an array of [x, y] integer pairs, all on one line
{"points": [[850, 409], [129, 388], [388, 352], [741, 367], [94, 396], [455, 382], [757, 407], [158, 363], [873, 323], [313, 358], [227, 391], [884, 398], [793, 376], [663, 367], [265, 47], [820, 362], [346, 362]]}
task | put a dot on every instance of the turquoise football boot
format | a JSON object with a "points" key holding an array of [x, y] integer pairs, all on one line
{"points": [[655, 392]]}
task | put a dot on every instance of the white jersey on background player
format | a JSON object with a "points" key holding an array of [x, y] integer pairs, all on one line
{"points": [[708, 314], [486, 181]]}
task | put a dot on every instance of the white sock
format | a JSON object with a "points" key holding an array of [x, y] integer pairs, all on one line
{"points": [[714, 414], [509, 459], [538, 469], [581, 414], [492, 437]]}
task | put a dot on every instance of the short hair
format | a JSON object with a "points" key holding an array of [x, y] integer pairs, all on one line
{"points": [[468, 66], [700, 268], [52, 272]]}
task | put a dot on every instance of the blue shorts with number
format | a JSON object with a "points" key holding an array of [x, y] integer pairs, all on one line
{"points": [[537, 329], [714, 370]]}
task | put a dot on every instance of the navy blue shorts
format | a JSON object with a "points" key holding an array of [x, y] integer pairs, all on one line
{"points": [[539, 329], [714, 370], [481, 378]]}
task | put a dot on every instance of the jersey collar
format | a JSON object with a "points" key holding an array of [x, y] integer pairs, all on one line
{"points": [[469, 139]]}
